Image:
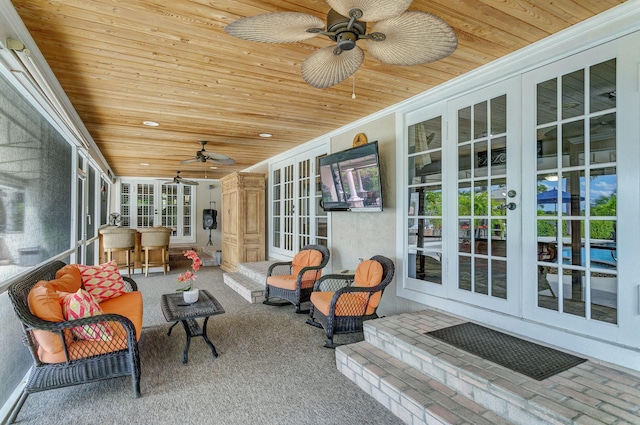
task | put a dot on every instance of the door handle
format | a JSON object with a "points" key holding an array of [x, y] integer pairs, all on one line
{"points": [[510, 206]]}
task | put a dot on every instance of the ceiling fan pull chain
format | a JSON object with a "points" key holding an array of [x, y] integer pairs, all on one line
{"points": [[353, 90]]}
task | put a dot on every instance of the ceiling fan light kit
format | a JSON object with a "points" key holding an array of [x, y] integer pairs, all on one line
{"points": [[398, 37]]}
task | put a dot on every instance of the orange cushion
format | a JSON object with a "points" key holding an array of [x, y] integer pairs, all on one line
{"points": [[45, 304], [128, 304], [283, 282], [306, 258], [348, 304], [368, 273], [85, 348], [73, 272]]}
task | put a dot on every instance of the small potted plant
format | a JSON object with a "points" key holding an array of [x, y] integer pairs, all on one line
{"points": [[189, 293]]}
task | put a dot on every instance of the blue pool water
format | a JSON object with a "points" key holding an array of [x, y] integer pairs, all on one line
{"points": [[600, 257]]}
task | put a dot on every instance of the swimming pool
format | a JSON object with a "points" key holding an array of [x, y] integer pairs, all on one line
{"points": [[603, 256]]}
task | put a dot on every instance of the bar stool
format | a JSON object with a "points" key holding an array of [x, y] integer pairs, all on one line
{"points": [[115, 239], [155, 238]]}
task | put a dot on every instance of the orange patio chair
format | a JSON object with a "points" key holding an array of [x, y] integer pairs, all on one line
{"points": [[292, 281], [341, 302]]}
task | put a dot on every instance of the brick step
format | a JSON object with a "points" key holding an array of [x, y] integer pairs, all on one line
{"points": [[248, 288], [249, 280], [411, 395], [256, 271], [589, 393]]}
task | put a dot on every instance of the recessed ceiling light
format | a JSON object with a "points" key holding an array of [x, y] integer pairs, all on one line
{"points": [[266, 135], [150, 123], [144, 163]]}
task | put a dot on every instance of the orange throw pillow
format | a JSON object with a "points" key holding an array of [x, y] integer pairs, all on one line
{"points": [[368, 273], [45, 304]]}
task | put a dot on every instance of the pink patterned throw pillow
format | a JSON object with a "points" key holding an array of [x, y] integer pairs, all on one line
{"points": [[103, 281], [81, 304]]}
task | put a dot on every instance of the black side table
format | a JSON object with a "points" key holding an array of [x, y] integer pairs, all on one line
{"points": [[176, 310]]}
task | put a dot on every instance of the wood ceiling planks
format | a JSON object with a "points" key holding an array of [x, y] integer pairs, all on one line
{"points": [[125, 61]]}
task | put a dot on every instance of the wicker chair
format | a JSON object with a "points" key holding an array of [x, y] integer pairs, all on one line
{"points": [[88, 367], [341, 302], [292, 281]]}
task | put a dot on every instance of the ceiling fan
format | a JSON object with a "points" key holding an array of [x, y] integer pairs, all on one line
{"points": [[399, 37], [177, 180], [203, 156]]}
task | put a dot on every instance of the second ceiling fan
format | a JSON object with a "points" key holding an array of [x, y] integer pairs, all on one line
{"points": [[203, 156], [399, 37]]}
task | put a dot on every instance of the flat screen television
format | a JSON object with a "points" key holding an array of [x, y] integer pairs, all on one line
{"points": [[351, 180]]}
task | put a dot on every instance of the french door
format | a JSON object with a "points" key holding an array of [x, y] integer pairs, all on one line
{"points": [[485, 194], [150, 203], [582, 133], [296, 217]]}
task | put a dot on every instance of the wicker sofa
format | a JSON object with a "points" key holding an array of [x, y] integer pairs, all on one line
{"points": [[62, 358]]}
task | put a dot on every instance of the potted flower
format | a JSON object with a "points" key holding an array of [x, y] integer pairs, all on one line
{"points": [[189, 293]]}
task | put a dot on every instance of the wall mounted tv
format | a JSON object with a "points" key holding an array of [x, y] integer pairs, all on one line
{"points": [[351, 180]]}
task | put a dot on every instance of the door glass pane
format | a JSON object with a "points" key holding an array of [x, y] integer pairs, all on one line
{"points": [[499, 273], [602, 82], [464, 124], [573, 144], [482, 159], [480, 122], [547, 101], [547, 148], [573, 193], [573, 94], [498, 115], [464, 161], [464, 272], [603, 185], [603, 139]]}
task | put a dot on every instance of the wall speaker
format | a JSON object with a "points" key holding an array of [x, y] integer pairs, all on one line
{"points": [[209, 219]]}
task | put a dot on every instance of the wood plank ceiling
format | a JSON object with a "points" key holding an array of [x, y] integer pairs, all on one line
{"points": [[122, 62]]}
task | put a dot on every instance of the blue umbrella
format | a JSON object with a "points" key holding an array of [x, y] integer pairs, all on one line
{"points": [[551, 197]]}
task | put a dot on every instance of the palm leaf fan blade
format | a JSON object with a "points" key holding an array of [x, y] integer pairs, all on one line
{"points": [[277, 27], [324, 69], [372, 10], [413, 38]]}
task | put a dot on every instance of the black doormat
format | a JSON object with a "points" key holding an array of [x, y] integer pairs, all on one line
{"points": [[530, 359]]}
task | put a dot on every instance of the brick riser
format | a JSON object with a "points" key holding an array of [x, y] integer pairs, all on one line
{"points": [[424, 381]]}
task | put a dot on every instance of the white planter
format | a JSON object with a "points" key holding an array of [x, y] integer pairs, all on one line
{"points": [[190, 296]]}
